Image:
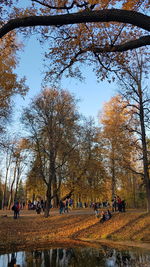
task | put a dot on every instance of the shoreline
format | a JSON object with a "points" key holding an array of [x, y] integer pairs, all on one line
{"points": [[77, 243]]}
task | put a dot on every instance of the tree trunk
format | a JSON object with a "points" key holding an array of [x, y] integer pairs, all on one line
{"points": [[113, 179], [48, 201], [134, 190], [5, 189], [11, 189], [144, 150], [54, 189], [17, 182], [8, 161]]}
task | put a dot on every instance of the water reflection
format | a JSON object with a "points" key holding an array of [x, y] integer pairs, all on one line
{"points": [[77, 257]]}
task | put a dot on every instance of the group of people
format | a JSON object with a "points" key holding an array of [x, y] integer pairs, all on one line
{"points": [[104, 215], [103, 204], [36, 205], [39, 206], [65, 205], [118, 204]]}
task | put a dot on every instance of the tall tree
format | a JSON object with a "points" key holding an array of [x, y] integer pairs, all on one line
{"points": [[52, 123], [8, 152], [117, 140], [35, 185], [86, 173], [132, 77], [18, 163]]}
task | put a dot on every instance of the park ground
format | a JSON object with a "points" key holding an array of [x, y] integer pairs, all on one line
{"points": [[76, 228]]}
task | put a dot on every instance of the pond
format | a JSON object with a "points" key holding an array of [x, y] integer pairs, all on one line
{"points": [[78, 257]]}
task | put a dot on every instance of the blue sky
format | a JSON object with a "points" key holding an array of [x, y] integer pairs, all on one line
{"points": [[91, 93]]}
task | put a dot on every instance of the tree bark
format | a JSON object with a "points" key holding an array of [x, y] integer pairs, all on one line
{"points": [[144, 149], [8, 162], [54, 189], [17, 183], [11, 188], [48, 201], [113, 179], [5, 189]]}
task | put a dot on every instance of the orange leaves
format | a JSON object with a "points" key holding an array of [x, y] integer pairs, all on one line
{"points": [[135, 4], [114, 114], [8, 62]]}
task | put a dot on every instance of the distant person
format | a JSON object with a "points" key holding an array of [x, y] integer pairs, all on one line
{"points": [[108, 215], [119, 201], [61, 207], [80, 204], [70, 203], [38, 208], [105, 216], [42, 204], [24, 204], [123, 204], [16, 210], [66, 208], [95, 208], [102, 217], [114, 204]]}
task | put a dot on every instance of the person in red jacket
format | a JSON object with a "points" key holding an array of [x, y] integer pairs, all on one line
{"points": [[119, 201]]}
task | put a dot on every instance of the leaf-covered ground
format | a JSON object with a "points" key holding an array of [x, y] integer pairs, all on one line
{"points": [[31, 231]]}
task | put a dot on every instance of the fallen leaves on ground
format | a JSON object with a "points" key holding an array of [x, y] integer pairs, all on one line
{"points": [[32, 230]]}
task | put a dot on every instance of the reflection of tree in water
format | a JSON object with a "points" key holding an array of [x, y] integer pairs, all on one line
{"points": [[62, 257], [87, 257], [12, 260], [80, 257], [47, 258], [33, 258], [128, 258]]}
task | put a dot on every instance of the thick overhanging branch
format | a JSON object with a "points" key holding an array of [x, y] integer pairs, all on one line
{"points": [[142, 41], [67, 195], [108, 15], [99, 50]]}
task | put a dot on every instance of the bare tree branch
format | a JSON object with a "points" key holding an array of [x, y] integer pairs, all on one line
{"points": [[64, 7], [98, 50]]}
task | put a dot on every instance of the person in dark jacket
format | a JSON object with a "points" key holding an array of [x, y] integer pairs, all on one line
{"points": [[16, 209]]}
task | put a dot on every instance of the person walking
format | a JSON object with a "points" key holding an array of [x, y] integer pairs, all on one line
{"points": [[16, 209], [61, 207], [114, 204], [119, 201]]}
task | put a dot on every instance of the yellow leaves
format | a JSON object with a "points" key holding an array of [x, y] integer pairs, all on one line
{"points": [[7, 48], [113, 112]]}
